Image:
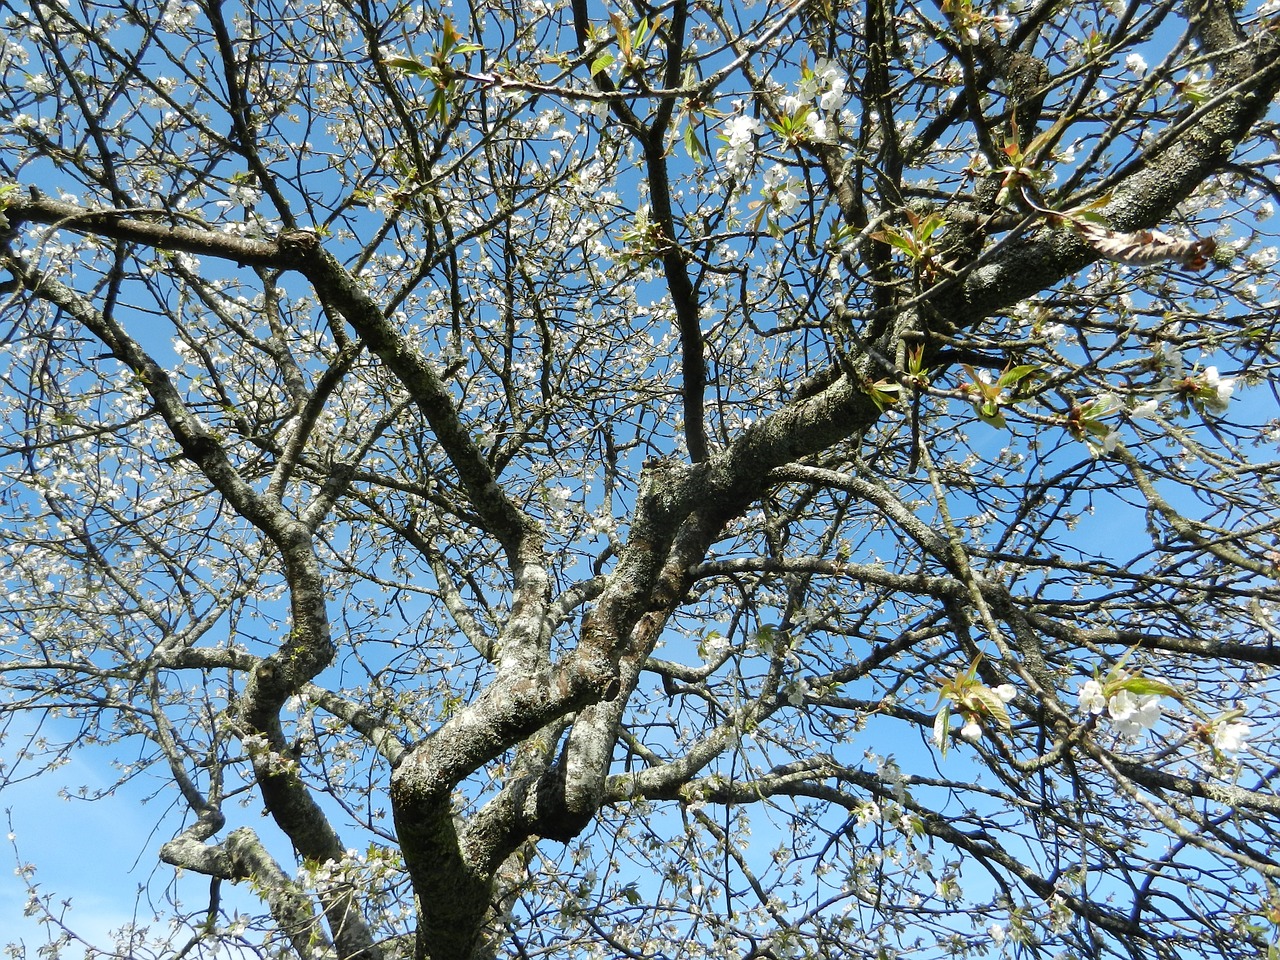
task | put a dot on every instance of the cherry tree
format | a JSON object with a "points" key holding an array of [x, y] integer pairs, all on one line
{"points": [[752, 478]]}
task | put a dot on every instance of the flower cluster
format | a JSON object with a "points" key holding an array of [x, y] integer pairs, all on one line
{"points": [[976, 703], [782, 190], [739, 135], [1132, 705], [1130, 711], [1211, 391], [820, 94], [972, 728], [1205, 389], [823, 87], [1132, 714]]}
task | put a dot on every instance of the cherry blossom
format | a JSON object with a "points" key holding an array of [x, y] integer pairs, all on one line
{"points": [[498, 480]]}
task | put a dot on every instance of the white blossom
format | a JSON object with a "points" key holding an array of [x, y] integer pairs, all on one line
{"points": [[1146, 409], [1090, 697], [1219, 390], [1132, 714], [1053, 332], [559, 499], [1169, 358], [739, 135], [819, 128], [796, 692], [791, 104], [782, 189], [1230, 737], [39, 84]]}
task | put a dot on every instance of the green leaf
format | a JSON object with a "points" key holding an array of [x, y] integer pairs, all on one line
{"points": [[642, 31], [884, 393], [407, 65], [623, 32], [991, 703], [692, 145], [895, 239], [1017, 374], [995, 419], [931, 225], [1144, 686], [603, 62], [942, 729], [438, 107]]}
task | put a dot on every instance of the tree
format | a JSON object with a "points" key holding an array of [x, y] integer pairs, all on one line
{"points": [[529, 451]]}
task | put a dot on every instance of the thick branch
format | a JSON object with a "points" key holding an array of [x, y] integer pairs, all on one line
{"points": [[155, 229], [1156, 183], [242, 857]]}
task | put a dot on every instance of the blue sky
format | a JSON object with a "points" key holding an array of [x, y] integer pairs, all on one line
{"points": [[77, 847]]}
